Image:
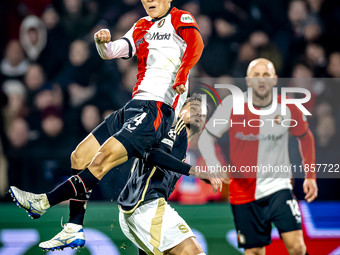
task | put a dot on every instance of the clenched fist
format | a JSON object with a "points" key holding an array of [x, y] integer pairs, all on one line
{"points": [[180, 89], [103, 36]]}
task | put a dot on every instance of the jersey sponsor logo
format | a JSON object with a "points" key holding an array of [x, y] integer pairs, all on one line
{"points": [[157, 36], [186, 18], [252, 137], [161, 23]]}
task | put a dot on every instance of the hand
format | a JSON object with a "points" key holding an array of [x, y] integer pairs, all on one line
{"points": [[180, 89], [103, 36], [311, 189], [209, 178], [216, 183]]}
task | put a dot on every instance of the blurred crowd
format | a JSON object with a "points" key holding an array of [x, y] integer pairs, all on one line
{"points": [[54, 87]]}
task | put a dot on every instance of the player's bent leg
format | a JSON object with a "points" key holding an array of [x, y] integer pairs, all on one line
{"points": [[111, 154], [37, 204], [82, 156], [187, 247], [294, 242], [80, 159], [255, 251]]}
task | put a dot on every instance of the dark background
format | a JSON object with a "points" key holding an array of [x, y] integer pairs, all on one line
{"points": [[54, 87]]}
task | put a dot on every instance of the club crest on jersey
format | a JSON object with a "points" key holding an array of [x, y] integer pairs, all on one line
{"points": [[186, 18], [278, 119], [157, 36], [161, 23]]}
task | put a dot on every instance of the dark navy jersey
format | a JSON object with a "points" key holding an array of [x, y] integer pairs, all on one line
{"points": [[148, 182]]}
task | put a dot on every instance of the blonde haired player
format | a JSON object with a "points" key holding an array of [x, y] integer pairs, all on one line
{"points": [[259, 199]]}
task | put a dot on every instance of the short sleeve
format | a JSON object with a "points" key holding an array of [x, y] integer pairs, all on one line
{"points": [[218, 124], [299, 125], [129, 38], [182, 20]]}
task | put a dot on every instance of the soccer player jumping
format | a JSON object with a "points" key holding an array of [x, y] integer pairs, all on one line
{"points": [[168, 44], [259, 199]]}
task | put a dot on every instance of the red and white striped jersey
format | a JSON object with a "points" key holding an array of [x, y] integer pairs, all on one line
{"points": [[258, 140], [166, 51]]}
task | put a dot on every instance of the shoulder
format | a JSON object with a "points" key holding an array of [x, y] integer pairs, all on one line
{"points": [[142, 21], [180, 17], [294, 110]]}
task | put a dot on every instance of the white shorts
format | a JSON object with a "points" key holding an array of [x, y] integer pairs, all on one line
{"points": [[155, 227]]}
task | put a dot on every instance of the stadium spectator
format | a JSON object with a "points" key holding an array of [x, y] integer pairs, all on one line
{"points": [[90, 118], [33, 36], [76, 19], [14, 64], [316, 57], [48, 58], [16, 93]]}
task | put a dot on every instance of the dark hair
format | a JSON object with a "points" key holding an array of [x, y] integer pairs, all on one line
{"points": [[195, 97]]}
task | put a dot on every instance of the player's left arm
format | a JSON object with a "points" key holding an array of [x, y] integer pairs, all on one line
{"points": [[187, 28], [164, 160], [307, 151]]}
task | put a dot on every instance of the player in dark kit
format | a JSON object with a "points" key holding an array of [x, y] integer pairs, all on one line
{"points": [[145, 216], [143, 122]]}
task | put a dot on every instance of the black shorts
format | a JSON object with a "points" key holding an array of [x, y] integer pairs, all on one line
{"points": [[254, 220], [139, 126]]}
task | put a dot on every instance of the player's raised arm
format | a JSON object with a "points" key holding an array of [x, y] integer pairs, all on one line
{"points": [[121, 48]]}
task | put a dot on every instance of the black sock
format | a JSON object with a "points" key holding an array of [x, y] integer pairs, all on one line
{"points": [[77, 206], [74, 186], [77, 211]]}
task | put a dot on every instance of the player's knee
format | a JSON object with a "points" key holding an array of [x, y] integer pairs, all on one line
{"points": [[76, 160], [255, 251], [298, 249], [99, 159]]}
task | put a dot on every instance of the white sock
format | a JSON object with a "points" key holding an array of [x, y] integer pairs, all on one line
{"points": [[45, 204], [201, 254]]}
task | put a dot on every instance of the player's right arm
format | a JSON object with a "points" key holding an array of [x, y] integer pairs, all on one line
{"points": [[121, 48], [217, 125]]}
